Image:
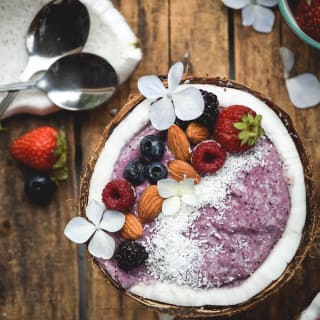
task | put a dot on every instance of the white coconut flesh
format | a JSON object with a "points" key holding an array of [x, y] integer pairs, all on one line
{"points": [[283, 251], [312, 312]]}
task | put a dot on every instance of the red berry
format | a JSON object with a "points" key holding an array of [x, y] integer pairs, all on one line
{"points": [[208, 156], [237, 128], [118, 195]]}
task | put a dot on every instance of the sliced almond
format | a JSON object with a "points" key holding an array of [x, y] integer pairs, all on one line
{"points": [[180, 170], [132, 229], [178, 143]]}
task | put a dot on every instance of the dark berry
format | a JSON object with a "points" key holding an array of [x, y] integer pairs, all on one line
{"points": [[130, 254], [155, 171], [208, 156], [151, 148], [39, 188], [210, 112], [182, 124], [134, 172], [118, 195]]}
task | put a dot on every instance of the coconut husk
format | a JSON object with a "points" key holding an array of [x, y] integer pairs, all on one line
{"points": [[308, 232]]}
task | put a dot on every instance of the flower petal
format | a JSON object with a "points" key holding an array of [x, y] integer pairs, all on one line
{"points": [[264, 19], [94, 211], [167, 188], [287, 58], [186, 186], [101, 245], [171, 206], [188, 103], [267, 3], [174, 76], [162, 114], [304, 90], [190, 199], [248, 15], [151, 87], [79, 230], [236, 4], [112, 221]]}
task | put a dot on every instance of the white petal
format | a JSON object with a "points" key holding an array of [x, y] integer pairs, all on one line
{"points": [[304, 90], [190, 199], [151, 87], [267, 3], [94, 211], [168, 188], [171, 206], [112, 221], [101, 245], [186, 186], [162, 114], [174, 76], [236, 4], [188, 103], [79, 230], [264, 19], [248, 15], [287, 58]]}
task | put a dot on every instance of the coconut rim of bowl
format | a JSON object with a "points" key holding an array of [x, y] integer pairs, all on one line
{"points": [[308, 233], [291, 21]]}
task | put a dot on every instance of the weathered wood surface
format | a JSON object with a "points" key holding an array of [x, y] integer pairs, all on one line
{"points": [[38, 266]]}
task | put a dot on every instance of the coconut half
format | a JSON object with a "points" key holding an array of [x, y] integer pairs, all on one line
{"points": [[290, 249], [110, 37], [312, 312]]}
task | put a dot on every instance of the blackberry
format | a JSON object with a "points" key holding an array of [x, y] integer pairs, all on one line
{"points": [[182, 124], [130, 254], [210, 112]]}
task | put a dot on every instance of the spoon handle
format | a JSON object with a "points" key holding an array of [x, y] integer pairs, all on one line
{"points": [[17, 86], [7, 100]]}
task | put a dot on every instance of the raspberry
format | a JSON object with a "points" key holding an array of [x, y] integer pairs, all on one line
{"points": [[118, 195], [208, 156], [130, 254]]}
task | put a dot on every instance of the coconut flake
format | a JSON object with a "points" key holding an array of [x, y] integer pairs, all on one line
{"points": [[264, 19], [288, 60]]}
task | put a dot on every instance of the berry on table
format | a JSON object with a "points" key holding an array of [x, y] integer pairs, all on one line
{"points": [[208, 156], [130, 255], [39, 188], [152, 148], [134, 172], [118, 195], [155, 171]]}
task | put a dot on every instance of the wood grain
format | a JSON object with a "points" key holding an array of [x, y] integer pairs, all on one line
{"points": [[38, 266]]}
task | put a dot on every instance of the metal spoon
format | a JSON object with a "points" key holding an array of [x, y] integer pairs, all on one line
{"points": [[76, 82], [60, 28]]}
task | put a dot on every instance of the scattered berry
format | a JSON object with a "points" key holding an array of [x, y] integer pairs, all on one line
{"points": [[134, 172], [39, 188], [155, 171], [237, 128], [118, 195], [308, 17], [208, 156], [43, 149], [130, 254], [151, 148], [182, 124]]}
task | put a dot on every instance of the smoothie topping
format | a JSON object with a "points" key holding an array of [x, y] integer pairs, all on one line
{"points": [[152, 148], [180, 170], [132, 229], [197, 133], [178, 143], [169, 103]]}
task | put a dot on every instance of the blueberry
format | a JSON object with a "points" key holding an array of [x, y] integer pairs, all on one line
{"points": [[151, 148], [155, 171], [134, 172], [39, 188]]}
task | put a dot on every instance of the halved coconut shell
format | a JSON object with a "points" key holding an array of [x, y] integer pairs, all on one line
{"points": [[308, 232]]}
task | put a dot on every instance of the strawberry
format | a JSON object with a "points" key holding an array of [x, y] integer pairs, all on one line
{"points": [[237, 128], [42, 149], [308, 17]]}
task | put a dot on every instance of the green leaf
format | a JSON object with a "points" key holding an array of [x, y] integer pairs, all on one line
{"points": [[309, 2], [240, 126]]}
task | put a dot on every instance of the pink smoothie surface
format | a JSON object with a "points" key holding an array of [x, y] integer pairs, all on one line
{"points": [[232, 243]]}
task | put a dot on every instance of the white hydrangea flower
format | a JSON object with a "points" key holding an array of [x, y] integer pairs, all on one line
{"points": [[303, 89], [187, 104], [175, 193], [254, 13], [80, 230]]}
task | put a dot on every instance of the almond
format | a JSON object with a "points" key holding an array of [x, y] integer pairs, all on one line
{"points": [[132, 228], [180, 170], [150, 204], [197, 132], [178, 143]]}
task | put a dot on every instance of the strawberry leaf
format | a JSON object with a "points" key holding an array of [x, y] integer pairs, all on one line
{"points": [[309, 2]]}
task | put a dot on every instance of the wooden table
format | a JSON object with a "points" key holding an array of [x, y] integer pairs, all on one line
{"points": [[43, 275]]}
